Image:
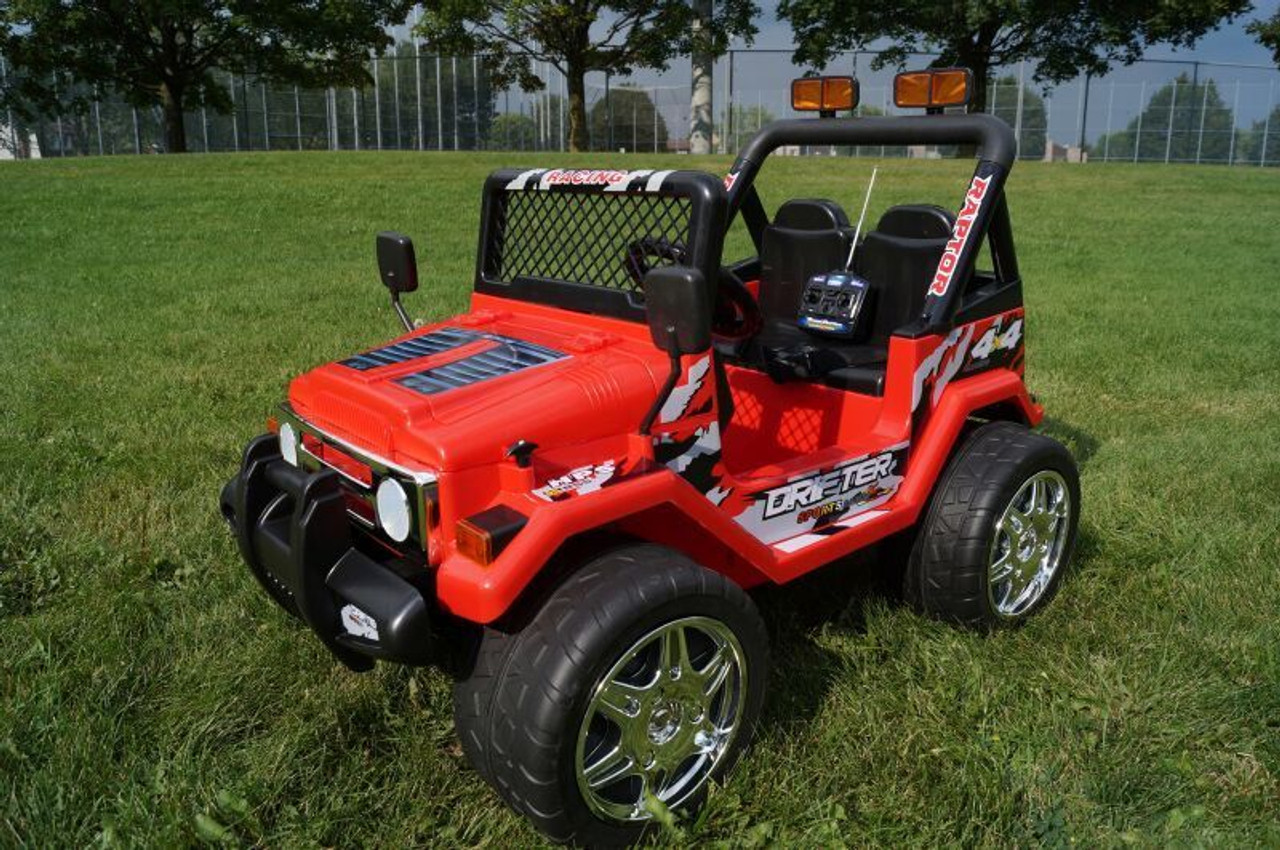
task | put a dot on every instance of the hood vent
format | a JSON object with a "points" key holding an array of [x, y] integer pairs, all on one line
{"points": [[508, 356], [410, 349]]}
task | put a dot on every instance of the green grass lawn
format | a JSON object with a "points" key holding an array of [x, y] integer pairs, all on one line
{"points": [[153, 309]]}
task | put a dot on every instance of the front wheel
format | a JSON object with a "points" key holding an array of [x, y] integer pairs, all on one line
{"points": [[1000, 529], [640, 679]]}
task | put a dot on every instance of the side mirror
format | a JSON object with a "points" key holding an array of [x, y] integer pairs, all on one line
{"points": [[679, 308], [399, 269], [396, 262]]}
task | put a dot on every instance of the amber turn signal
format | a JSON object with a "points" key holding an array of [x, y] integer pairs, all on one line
{"points": [[932, 89], [824, 94], [482, 537]]}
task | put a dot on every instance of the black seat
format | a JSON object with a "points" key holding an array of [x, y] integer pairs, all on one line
{"points": [[807, 237], [898, 259]]}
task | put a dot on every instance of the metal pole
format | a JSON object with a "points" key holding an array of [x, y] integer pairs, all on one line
{"points": [[1266, 128], [1168, 135], [395, 89], [655, 119], [266, 124], [377, 104], [248, 125], [1137, 139], [729, 128], [204, 126], [1235, 110], [1106, 138], [355, 119], [439, 109], [97, 120], [475, 100], [455, 103], [608, 108], [235, 120], [564, 84], [417, 81], [328, 118], [1017, 127], [1084, 110], [297, 115], [635, 139], [137, 137], [1204, 106]]}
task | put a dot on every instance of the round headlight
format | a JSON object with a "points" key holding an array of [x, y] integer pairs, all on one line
{"points": [[394, 514], [289, 444]]}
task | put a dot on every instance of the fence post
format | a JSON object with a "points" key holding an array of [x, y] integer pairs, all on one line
{"points": [[137, 136], [564, 85], [454, 64], [439, 109], [654, 97], [1266, 128], [235, 118], [1022, 73], [1204, 107], [475, 100], [266, 120], [355, 119], [395, 90], [729, 129], [1235, 109], [1168, 135], [97, 120], [297, 116], [1106, 143], [377, 104], [417, 83], [1084, 111], [1137, 140], [204, 127]]}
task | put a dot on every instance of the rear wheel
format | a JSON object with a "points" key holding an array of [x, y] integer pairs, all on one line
{"points": [[999, 531], [640, 677]]}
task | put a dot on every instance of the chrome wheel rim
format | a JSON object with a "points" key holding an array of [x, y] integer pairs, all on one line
{"points": [[1028, 545], [661, 719]]}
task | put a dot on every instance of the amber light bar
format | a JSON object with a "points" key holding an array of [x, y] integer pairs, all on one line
{"points": [[824, 94], [933, 89]]}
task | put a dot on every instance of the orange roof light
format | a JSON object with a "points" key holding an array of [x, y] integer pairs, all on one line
{"points": [[932, 89], [824, 94]]}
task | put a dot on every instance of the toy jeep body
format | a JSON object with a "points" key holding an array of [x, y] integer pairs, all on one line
{"points": [[577, 479]]}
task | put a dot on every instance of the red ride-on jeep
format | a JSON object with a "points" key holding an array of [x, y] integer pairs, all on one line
{"points": [[577, 480]]}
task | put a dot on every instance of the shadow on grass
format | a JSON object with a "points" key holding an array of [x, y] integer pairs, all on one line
{"points": [[1082, 444], [833, 599]]}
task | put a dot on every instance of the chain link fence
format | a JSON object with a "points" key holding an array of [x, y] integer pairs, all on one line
{"points": [[1152, 111]]}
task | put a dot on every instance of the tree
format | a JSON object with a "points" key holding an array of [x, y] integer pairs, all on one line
{"points": [[1064, 38], [1261, 144], [164, 51], [577, 37], [634, 119], [1198, 130], [1268, 34]]}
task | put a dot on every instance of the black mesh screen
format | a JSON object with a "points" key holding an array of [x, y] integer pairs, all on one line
{"points": [[588, 238]]}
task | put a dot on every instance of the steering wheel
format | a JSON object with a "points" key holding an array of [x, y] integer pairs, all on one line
{"points": [[735, 316]]}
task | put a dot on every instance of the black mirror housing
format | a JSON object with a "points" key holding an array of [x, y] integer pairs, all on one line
{"points": [[397, 263], [679, 309]]}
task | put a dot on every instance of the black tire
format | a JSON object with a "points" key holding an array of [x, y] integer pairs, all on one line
{"points": [[520, 710], [948, 574]]}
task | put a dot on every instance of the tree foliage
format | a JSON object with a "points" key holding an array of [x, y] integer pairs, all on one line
{"points": [[165, 51], [1192, 125], [1062, 37], [578, 37], [637, 124], [1268, 34]]}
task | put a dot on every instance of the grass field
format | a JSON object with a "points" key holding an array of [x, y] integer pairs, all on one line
{"points": [[153, 309]]}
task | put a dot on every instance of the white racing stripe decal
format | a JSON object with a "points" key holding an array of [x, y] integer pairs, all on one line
{"points": [[521, 180], [655, 182], [804, 541]]}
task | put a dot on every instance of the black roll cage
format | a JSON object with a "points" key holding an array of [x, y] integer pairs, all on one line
{"points": [[996, 151]]}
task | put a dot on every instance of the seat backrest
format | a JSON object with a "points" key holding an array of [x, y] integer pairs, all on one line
{"points": [[898, 259], [807, 237]]}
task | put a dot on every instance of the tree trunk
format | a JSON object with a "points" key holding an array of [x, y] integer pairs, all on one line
{"points": [[175, 128], [577, 107], [700, 127]]}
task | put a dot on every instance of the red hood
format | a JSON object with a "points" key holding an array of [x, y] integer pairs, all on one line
{"points": [[440, 402]]}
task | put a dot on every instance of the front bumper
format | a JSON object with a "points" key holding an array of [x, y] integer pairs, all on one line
{"points": [[295, 534]]}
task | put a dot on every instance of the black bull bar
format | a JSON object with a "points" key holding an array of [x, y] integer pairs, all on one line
{"points": [[294, 533]]}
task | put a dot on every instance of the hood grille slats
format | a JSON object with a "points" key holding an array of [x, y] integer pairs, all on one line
{"points": [[505, 358], [435, 342]]}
